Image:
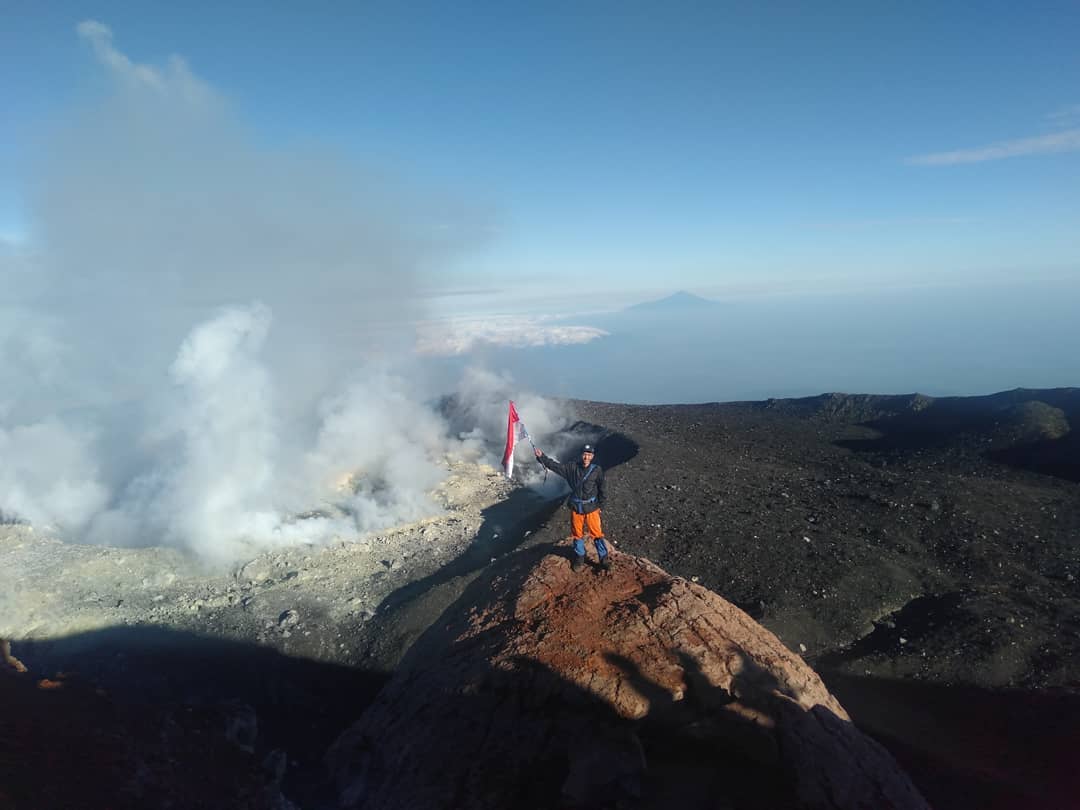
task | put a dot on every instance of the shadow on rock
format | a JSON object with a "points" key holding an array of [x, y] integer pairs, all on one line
{"points": [[408, 611], [183, 699], [968, 747], [507, 526], [697, 748], [541, 688]]}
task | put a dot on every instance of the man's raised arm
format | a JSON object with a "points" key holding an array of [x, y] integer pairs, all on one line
{"points": [[556, 467]]}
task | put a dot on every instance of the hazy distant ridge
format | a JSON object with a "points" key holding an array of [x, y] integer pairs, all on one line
{"points": [[681, 301]]}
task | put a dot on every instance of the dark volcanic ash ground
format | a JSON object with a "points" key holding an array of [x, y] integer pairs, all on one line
{"points": [[895, 542], [887, 536]]}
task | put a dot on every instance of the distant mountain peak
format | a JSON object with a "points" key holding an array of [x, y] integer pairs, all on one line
{"points": [[680, 300]]}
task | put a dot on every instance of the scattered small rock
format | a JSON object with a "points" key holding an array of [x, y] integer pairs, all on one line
{"points": [[274, 765], [242, 727], [256, 571]]}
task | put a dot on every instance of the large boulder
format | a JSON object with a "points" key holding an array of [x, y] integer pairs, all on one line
{"points": [[631, 688]]}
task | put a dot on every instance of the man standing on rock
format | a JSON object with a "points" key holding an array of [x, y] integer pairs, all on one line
{"points": [[586, 499]]}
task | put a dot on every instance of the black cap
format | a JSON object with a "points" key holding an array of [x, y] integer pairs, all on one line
{"points": [[588, 449]]}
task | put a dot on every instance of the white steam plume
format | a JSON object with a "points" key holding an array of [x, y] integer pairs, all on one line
{"points": [[48, 477], [481, 411], [206, 337]]}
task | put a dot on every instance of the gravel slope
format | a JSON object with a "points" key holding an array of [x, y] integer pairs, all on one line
{"points": [[911, 558], [890, 540]]}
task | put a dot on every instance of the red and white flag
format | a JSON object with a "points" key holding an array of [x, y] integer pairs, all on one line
{"points": [[511, 440]]}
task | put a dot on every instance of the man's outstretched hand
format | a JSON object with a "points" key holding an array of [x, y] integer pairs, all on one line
{"points": [[538, 452]]}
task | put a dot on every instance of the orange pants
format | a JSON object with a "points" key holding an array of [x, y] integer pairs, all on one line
{"points": [[580, 522]]}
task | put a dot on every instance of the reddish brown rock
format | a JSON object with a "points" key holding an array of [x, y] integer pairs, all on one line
{"points": [[626, 689]]}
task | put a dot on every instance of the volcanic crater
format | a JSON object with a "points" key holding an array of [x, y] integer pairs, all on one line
{"points": [[921, 554]]}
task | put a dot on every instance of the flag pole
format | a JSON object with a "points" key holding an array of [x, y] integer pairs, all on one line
{"points": [[525, 430]]}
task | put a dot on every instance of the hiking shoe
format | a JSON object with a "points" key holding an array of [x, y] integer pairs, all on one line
{"points": [[578, 563], [605, 562]]}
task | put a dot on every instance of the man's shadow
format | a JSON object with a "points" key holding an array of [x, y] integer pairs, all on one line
{"points": [[510, 728], [513, 523]]}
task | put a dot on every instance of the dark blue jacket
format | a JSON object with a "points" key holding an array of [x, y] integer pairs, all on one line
{"points": [[586, 483]]}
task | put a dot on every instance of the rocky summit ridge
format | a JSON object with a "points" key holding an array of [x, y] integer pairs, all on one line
{"points": [[629, 689], [921, 554]]}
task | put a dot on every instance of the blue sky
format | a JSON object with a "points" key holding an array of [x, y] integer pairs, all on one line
{"points": [[243, 246], [617, 149]]}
